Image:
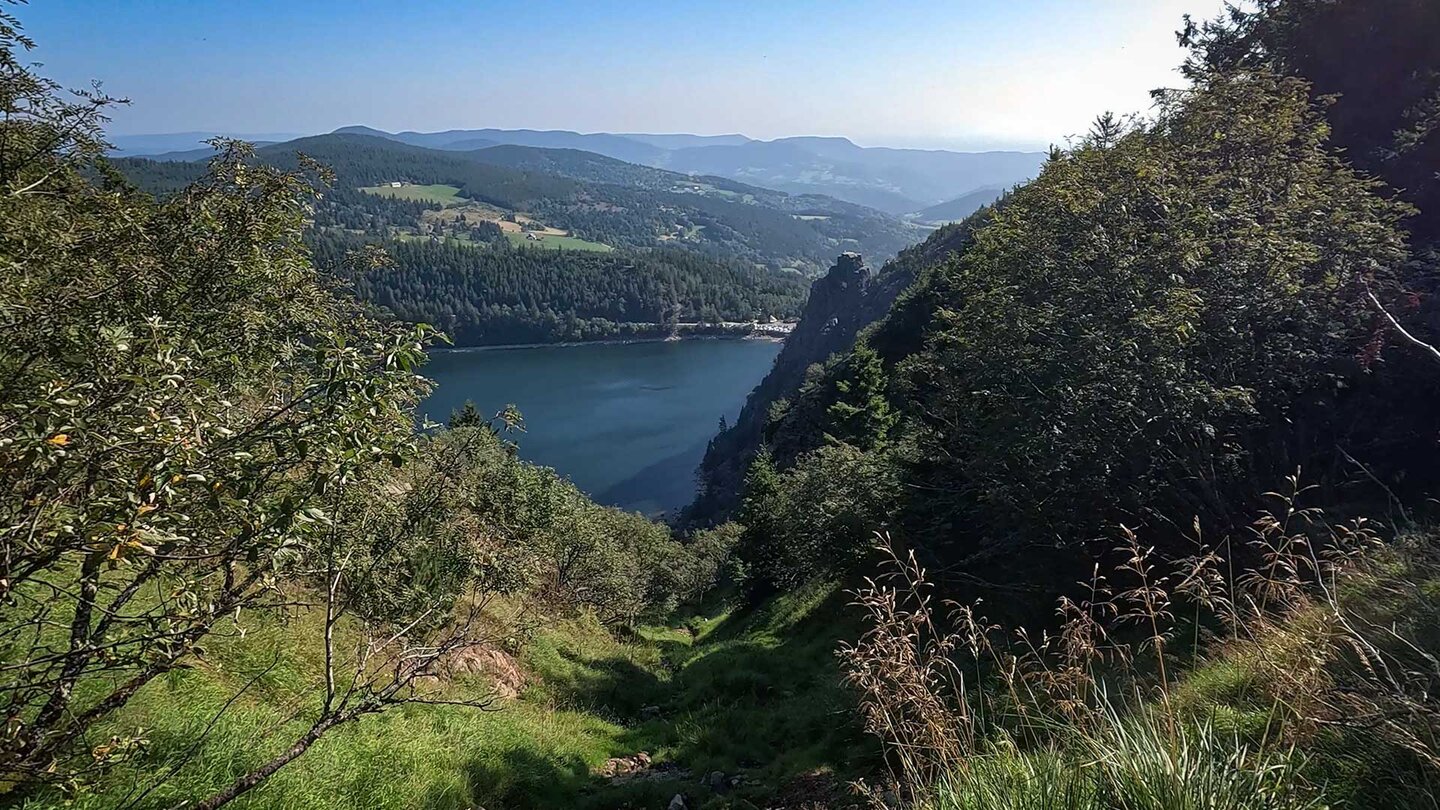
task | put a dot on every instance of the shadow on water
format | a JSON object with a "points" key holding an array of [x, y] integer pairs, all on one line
{"points": [[665, 486]]}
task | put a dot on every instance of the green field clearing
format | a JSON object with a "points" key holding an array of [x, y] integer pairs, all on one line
{"points": [[445, 195], [557, 243], [706, 188], [449, 240]]}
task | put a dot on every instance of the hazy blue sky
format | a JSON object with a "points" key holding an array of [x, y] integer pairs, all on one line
{"points": [[967, 73]]}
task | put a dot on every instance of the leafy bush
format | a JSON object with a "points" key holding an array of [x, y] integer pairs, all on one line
{"points": [[188, 415], [1156, 306], [815, 518]]}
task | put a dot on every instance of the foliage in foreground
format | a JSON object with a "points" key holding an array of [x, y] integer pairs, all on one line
{"points": [[1177, 312], [200, 439], [753, 694], [1197, 683], [1372, 61]]}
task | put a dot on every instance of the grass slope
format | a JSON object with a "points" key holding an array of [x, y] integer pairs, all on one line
{"points": [[754, 694]]}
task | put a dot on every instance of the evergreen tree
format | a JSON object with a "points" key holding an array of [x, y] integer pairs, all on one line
{"points": [[466, 416], [861, 414], [761, 513]]}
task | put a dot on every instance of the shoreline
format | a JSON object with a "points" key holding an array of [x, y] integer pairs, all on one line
{"points": [[606, 342]]}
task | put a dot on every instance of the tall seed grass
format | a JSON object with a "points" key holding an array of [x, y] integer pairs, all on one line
{"points": [[1097, 713], [1130, 763]]}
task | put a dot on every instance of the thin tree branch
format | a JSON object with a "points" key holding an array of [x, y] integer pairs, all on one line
{"points": [[1434, 352]]}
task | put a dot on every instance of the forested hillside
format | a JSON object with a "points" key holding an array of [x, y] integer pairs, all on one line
{"points": [[847, 299], [690, 249], [600, 198], [896, 181], [1121, 301], [960, 207], [517, 295], [1191, 368]]}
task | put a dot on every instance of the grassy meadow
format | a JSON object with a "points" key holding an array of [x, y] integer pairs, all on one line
{"points": [[556, 242], [439, 193]]}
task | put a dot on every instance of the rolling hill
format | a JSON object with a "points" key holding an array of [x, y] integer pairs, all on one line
{"points": [[616, 146], [154, 145], [515, 243], [598, 198], [896, 181], [961, 207]]}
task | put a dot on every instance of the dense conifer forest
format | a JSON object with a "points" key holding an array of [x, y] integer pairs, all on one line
{"points": [[518, 295]]}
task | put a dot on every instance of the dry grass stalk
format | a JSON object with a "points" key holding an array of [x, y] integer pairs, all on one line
{"points": [[939, 690]]}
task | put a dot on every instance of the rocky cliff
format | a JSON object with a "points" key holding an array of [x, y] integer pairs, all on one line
{"points": [[844, 301], [836, 310]]}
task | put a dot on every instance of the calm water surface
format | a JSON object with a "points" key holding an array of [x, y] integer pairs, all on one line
{"points": [[628, 423]]}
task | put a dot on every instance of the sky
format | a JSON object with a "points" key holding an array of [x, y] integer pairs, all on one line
{"points": [[923, 73]]}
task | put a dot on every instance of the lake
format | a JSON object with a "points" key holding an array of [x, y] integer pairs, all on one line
{"points": [[628, 423]]}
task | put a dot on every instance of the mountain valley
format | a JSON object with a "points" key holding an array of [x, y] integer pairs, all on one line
{"points": [[895, 181]]}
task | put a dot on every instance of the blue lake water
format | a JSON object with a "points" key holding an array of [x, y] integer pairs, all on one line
{"points": [[628, 423]]}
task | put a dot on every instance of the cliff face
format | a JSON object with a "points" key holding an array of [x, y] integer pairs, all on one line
{"points": [[843, 302]]}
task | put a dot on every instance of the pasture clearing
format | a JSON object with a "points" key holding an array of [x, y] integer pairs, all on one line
{"points": [[438, 193], [552, 241]]}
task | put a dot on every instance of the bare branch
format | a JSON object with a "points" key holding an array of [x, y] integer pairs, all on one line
{"points": [[1435, 353]]}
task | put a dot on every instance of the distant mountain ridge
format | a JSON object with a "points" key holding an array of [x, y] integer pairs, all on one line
{"points": [[896, 181], [601, 143], [165, 143], [597, 198], [961, 207]]}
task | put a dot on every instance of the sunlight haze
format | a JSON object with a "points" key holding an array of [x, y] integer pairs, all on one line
{"points": [[966, 75]]}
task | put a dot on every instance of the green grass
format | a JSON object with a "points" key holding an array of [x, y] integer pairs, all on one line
{"points": [[756, 694], [556, 243], [1139, 761], [1358, 767], [445, 195], [453, 241]]}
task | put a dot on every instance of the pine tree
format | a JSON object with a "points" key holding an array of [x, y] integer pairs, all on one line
{"points": [[466, 416], [760, 513], [861, 415]]}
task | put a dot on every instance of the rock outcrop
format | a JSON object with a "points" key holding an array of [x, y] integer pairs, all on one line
{"points": [[842, 302]]}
